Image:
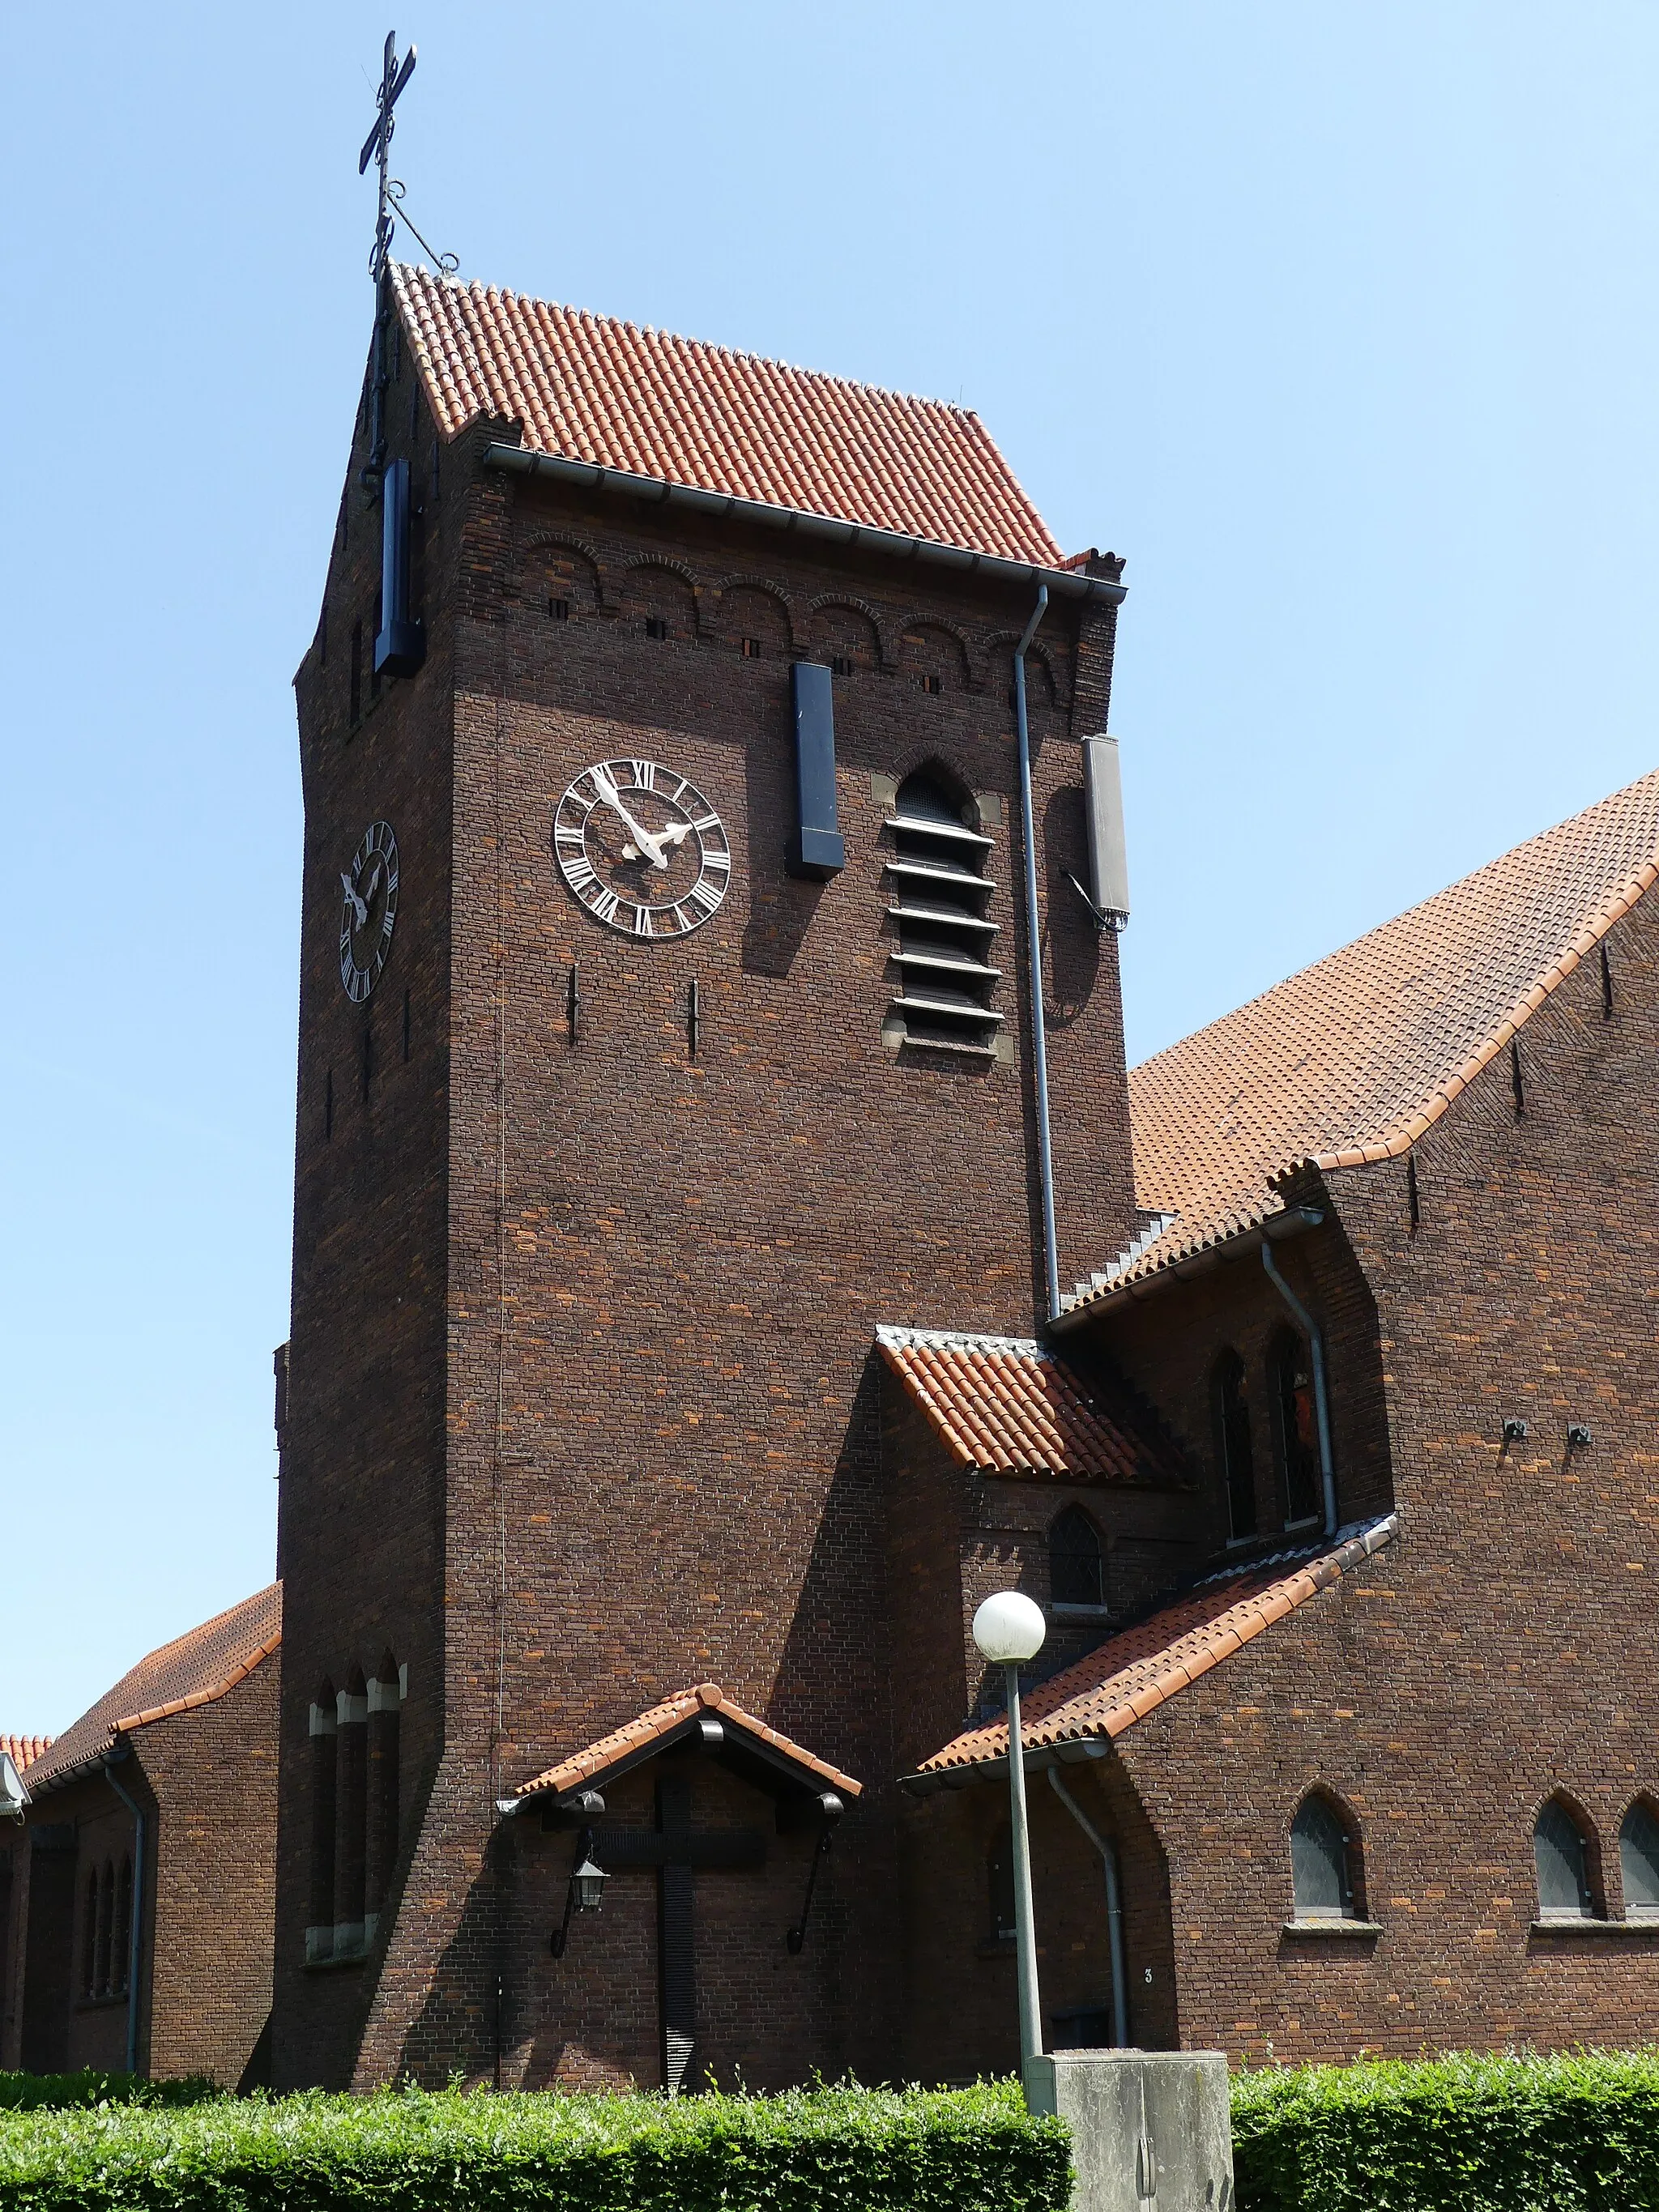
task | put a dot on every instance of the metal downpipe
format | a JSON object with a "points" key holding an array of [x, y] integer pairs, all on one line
{"points": [[1034, 947], [135, 1937], [1114, 1909], [1306, 1321]]}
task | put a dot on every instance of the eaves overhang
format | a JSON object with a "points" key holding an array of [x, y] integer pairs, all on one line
{"points": [[862, 536], [1276, 1229]]}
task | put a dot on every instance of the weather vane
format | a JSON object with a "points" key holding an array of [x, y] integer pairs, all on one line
{"points": [[377, 148]]}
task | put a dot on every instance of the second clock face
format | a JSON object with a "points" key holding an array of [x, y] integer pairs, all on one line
{"points": [[641, 849]]}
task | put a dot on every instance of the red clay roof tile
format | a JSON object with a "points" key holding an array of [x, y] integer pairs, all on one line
{"points": [[1350, 1061], [24, 1750], [192, 1671], [661, 1720], [1007, 1404], [1132, 1674], [590, 389]]}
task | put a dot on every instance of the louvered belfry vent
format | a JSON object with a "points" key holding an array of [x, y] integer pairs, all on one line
{"points": [[938, 894]]}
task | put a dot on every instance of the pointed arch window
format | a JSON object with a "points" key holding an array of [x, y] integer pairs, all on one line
{"points": [[938, 892], [1561, 1854], [1233, 1445], [1322, 1863], [1290, 1368], [1638, 1861], [1076, 1567]]}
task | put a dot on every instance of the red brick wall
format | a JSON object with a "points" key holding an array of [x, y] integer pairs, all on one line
{"points": [[213, 1774], [644, 1319], [207, 1781], [1502, 1647]]}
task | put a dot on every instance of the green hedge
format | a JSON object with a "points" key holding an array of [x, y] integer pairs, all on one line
{"points": [[27, 2093], [1578, 2133], [824, 2151]]}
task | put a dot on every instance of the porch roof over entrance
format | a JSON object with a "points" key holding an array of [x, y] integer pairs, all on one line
{"points": [[701, 1714]]}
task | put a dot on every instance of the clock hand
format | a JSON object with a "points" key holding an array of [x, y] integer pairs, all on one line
{"points": [[651, 847], [360, 905], [676, 833]]}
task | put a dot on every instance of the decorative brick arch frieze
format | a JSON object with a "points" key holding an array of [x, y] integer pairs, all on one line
{"points": [[819, 630], [769, 600], [543, 553], [645, 591]]}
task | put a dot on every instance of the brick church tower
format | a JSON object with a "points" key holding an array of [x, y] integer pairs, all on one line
{"points": [[664, 1030]]}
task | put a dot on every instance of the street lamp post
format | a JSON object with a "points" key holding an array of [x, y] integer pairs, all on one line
{"points": [[1008, 1629]]}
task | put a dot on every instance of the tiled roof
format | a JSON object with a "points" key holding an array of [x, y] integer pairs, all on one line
{"points": [[587, 388], [1006, 1405], [584, 1768], [24, 1750], [1133, 1673], [1353, 1059], [192, 1671]]}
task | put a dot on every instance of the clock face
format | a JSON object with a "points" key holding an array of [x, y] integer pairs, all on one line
{"points": [[642, 849], [368, 908]]}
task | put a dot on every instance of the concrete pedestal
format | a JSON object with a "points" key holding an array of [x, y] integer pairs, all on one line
{"points": [[1151, 2130]]}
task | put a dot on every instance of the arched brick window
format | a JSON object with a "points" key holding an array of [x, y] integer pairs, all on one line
{"points": [[1638, 1861], [324, 1728], [1289, 1365], [1233, 1447], [1322, 1861], [1560, 1851], [1075, 1565]]}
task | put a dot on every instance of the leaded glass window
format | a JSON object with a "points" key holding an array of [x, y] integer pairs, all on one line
{"points": [[1638, 1862], [1319, 1864], [1558, 1849]]}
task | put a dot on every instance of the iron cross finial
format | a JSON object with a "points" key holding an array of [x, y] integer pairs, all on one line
{"points": [[377, 147]]}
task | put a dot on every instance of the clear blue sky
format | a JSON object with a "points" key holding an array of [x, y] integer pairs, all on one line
{"points": [[1338, 322]]}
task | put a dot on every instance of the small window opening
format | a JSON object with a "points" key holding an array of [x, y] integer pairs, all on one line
{"points": [[356, 673], [1297, 1426], [656, 626], [839, 664], [928, 681], [559, 608], [1515, 1083], [999, 1884], [123, 1927], [1413, 1206], [750, 647], [1320, 1871], [1236, 1451], [89, 1939], [1607, 984], [1559, 1855], [1075, 1565], [1638, 1862], [106, 1925]]}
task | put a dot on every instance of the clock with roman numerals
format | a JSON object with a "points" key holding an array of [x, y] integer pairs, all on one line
{"points": [[642, 849]]}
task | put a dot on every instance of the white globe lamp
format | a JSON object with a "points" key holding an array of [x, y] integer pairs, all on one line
{"points": [[1009, 1629]]}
